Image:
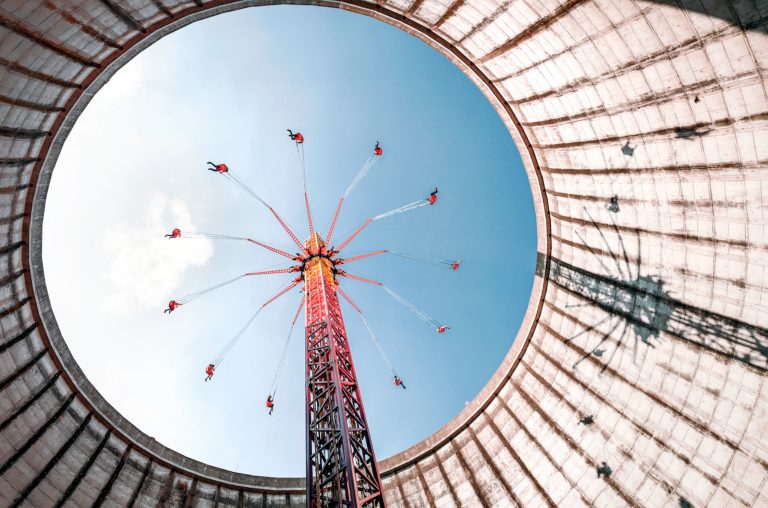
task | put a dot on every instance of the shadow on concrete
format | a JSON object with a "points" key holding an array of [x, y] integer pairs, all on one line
{"points": [[736, 12], [690, 133], [639, 307]]}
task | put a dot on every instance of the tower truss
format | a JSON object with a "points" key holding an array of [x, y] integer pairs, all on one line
{"points": [[341, 463]]}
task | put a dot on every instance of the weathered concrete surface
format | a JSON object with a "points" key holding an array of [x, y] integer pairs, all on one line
{"points": [[648, 313]]}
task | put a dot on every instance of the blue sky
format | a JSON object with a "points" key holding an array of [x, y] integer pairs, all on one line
{"points": [[225, 89]]}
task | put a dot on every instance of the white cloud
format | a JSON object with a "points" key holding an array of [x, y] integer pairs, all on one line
{"points": [[145, 267]]}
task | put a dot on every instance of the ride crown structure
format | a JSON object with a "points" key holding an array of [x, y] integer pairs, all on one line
{"points": [[341, 464]]}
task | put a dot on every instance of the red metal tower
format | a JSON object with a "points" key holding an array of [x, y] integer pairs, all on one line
{"points": [[341, 464]]}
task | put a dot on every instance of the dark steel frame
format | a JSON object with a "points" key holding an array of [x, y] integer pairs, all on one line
{"points": [[341, 464]]}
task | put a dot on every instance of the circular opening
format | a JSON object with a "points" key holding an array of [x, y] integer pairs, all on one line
{"points": [[225, 89]]}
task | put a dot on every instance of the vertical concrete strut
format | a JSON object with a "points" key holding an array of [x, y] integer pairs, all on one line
{"points": [[22, 369], [470, 472], [21, 409], [401, 491], [544, 451], [341, 465], [162, 8], [140, 485], [14, 307], [21, 133], [34, 437], [40, 76], [108, 486], [424, 486], [12, 218], [123, 15], [188, 499], [51, 463], [498, 474], [84, 470], [38, 38], [165, 494], [446, 480]]}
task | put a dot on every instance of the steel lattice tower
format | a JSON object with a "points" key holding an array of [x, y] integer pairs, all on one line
{"points": [[341, 464]]}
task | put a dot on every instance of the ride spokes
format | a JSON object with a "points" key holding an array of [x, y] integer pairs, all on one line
{"points": [[430, 200], [281, 362], [298, 138], [402, 209], [339, 470], [452, 264], [377, 152], [186, 234], [181, 300], [223, 169], [395, 378], [342, 261], [397, 381], [361, 174], [233, 341], [423, 316], [231, 344]]}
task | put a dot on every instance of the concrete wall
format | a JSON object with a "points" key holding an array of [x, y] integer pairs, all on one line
{"points": [[648, 314]]}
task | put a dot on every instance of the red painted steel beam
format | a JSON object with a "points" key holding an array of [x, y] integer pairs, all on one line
{"points": [[355, 277], [273, 249], [18, 28], [333, 222], [361, 256], [272, 272], [353, 235], [309, 215], [286, 228], [281, 293], [348, 299]]}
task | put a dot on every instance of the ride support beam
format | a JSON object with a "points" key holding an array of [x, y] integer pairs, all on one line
{"points": [[341, 465], [273, 249], [361, 256], [333, 222], [353, 235], [286, 228]]}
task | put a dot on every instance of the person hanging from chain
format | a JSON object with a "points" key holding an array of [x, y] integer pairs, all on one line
{"points": [[443, 328], [377, 151], [219, 168], [174, 234], [270, 403], [209, 371], [432, 199], [456, 264], [398, 382], [172, 306], [298, 137]]}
